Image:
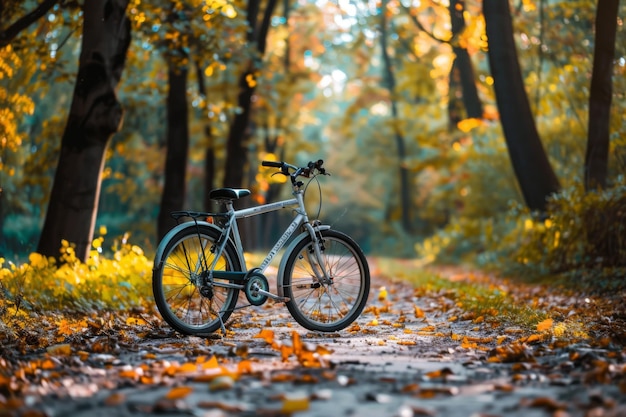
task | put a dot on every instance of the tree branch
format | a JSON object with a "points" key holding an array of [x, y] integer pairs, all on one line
{"points": [[7, 35], [421, 27]]}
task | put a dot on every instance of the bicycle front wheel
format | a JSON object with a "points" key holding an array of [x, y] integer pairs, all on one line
{"points": [[186, 297], [329, 301]]}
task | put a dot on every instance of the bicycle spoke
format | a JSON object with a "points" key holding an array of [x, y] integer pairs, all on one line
{"points": [[186, 296]]}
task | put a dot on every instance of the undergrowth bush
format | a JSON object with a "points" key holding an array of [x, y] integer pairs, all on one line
{"points": [[101, 283], [581, 231]]}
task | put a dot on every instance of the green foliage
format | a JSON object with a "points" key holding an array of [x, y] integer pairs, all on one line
{"points": [[116, 282]]}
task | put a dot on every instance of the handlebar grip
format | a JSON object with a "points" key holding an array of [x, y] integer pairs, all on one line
{"points": [[274, 164]]}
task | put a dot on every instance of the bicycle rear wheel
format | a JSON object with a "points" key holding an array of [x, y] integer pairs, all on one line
{"points": [[184, 296], [326, 306]]}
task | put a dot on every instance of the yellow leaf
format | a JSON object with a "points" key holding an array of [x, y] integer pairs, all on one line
{"points": [[373, 323], [60, 350], [135, 321], [419, 313], [544, 325], [382, 294], [295, 403]]}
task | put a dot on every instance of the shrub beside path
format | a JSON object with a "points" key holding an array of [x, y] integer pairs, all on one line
{"points": [[463, 343]]}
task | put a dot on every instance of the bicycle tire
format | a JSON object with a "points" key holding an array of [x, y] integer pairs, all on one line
{"points": [[176, 275], [326, 307]]}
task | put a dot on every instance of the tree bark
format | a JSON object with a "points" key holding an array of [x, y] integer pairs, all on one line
{"points": [[597, 154], [530, 162], [95, 115], [173, 196]]}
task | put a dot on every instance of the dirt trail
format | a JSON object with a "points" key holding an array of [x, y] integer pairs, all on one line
{"points": [[404, 357]]}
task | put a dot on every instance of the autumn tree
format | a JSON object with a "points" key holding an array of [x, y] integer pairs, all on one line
{"points": [[600, 95], [390, 83], [177, 143], [236, 156], [175, 50], [462, 72], [530, 162], [95, 115]]}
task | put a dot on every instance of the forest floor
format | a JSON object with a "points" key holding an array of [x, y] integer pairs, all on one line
{"points": [[415, 351]]}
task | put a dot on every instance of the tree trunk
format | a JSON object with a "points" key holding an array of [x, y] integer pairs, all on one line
{"points": [[173, 196], [209, 154], [95, 115], [471, 101], [597, 155], [463, 63], [389, 79], [530, 163], [236, 152]]}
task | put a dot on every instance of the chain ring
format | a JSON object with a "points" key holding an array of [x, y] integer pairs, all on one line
{"points": [[255, 280]]}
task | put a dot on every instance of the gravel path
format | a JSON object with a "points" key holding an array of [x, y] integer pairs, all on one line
{"points": [[403, 357]]}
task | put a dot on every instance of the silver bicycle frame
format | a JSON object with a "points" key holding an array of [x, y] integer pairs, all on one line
{"points": [[300, 218]]}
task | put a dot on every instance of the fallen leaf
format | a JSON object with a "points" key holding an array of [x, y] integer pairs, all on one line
{"points": [[60, 350], [382, 294], [294, 403], [267, 335], [115, 399], [544, 325], [177, 393]]}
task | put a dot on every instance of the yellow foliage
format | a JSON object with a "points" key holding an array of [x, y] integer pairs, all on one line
{"points": [[120, 282]]}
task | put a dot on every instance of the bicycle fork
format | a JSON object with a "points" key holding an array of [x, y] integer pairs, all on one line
{"points": [[315, 258]]}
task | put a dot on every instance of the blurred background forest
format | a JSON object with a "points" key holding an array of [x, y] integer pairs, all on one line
{"points": [[397, 97]]}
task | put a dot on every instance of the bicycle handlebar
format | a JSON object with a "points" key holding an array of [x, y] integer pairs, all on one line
{"points": [[298, 171]]}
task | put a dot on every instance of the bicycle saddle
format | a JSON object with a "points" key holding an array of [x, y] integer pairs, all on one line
{"points": [[228, 193]]}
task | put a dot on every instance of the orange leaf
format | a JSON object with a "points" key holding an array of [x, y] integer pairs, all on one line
{"points": [[187, 367], [244, 367], [115, 399], [297, 344], [178, 392], [211, 363], [544, 325], [419, 313], [267, 335]]}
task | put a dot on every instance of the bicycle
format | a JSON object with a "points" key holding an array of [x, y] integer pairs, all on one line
{"points": [[200, 265]]}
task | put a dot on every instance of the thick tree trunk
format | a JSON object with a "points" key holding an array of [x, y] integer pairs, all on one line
{"points": [[597, 155], [95, 115], [173, 196], [530, 162]]}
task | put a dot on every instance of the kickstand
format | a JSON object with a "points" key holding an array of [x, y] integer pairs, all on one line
{"points": [[222, 325]]}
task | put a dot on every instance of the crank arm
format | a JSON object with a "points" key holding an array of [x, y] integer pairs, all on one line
{"points": [[273, 296]]}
